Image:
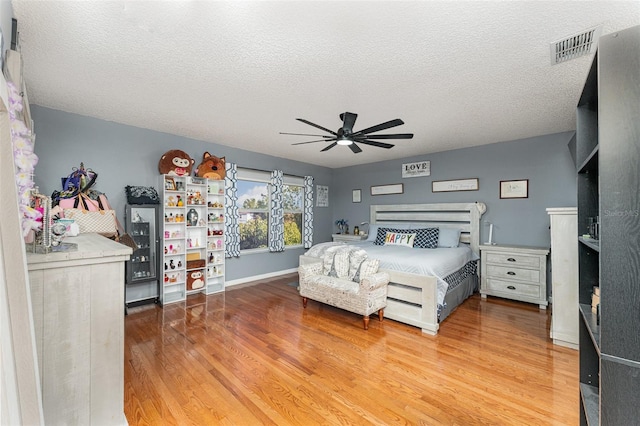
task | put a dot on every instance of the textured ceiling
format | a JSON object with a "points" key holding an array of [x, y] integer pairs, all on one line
{"points": [[237, 73]]}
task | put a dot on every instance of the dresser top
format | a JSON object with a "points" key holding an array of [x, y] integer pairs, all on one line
{"points": [[92, 248], [505, 248]]}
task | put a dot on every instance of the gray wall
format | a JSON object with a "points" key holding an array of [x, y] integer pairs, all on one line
{"points": [[544, 160], [125, 155]]}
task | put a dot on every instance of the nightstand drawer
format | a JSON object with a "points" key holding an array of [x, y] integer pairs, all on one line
{"points": [[514, 259], [513, 289], [514, 272], [511, 273]]}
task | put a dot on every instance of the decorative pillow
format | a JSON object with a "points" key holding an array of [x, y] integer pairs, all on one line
{"points": [[339, 264], [402, 226], [367, 268], [382, 234], [327, 258], [356, 257], [141, 195], [400, 239], [449, 237], [427, 238]]}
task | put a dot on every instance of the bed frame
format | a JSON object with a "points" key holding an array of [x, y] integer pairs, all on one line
{"points": [[412, 298]]}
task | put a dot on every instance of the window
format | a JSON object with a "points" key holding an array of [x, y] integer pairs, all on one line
{"points": [[253, 208], [293, 203]]}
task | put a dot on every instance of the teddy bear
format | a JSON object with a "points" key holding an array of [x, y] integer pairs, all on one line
{"points": [[195, 280], [211, 167], [175, 163]]}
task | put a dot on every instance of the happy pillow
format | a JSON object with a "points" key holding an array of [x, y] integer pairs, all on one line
{"points": [[399, 239]]}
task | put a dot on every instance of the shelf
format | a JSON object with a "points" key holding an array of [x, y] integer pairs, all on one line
{"points": [[591, 402], [590, 164], [592, 244], [591, 321], [195, 196]]}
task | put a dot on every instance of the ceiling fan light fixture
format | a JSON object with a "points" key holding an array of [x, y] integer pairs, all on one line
{"points": [[345, 135]]}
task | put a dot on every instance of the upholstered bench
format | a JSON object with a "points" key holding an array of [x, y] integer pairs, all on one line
{"points": [[346, 279]]}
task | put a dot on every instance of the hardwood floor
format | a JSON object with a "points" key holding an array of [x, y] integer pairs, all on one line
{"points": [[254, 356]]}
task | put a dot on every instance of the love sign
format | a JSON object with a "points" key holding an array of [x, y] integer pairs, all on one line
{"points": [[421, 168]]}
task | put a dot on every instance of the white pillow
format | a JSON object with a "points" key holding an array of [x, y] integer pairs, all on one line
{"points": [[333, 266], [356, 257], [373, 229], [367, 268], [399, 239]]}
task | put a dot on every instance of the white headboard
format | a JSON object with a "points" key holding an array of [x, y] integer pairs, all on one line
{"points": [[463, 216]]}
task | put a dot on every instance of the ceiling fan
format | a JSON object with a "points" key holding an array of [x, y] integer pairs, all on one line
{"points": [[346, 136]]}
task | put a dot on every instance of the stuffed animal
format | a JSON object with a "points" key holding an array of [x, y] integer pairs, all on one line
{"points": [[195, 280], [211, 167], [175, 163]]}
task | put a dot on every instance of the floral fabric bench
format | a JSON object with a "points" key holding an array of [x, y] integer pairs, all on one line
{"points": [[347, 279]]}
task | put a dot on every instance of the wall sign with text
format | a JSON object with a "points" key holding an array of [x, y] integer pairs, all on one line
{"points": [[419, 169]]}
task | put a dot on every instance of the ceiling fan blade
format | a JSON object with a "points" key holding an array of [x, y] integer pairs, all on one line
{"points": [[396, 136], [381, 126], [355, 148], [305, 134], [348, 120], [329, 147], [319, 140], [374, 143], [302, 120]]}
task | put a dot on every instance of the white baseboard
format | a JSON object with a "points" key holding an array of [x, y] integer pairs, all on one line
{"points": [[259, 277]]}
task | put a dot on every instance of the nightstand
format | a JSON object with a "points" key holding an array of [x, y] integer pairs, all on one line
{"points": [[348, 237], [514, 272]]}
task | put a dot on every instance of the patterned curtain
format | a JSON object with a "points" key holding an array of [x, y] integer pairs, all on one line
{"points": [[307, 232], [231, 216], [276, 213]]}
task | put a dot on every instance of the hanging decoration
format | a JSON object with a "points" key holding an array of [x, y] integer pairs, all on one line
{"points": [[25, 161]]}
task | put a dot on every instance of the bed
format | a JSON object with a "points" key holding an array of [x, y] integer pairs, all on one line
{"points": [[423, 292]]}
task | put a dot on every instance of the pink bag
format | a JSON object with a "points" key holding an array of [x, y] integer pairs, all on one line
{"points": [[87, 203]]}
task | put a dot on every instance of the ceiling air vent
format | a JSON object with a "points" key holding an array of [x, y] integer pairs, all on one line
{"points": [[575, 46]]}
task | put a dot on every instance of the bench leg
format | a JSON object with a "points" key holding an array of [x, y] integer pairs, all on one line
{"points": [[304, 302], [380, 314], [365, 319]]}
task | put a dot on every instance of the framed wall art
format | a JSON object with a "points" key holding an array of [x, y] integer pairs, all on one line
{"points": [[322, 196], [455, 185], [356, 196], [514, 188], [169, 184], [396, 188]]}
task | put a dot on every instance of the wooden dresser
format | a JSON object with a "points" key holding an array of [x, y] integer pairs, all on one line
{"points": [[78, 315], [514, 272]]}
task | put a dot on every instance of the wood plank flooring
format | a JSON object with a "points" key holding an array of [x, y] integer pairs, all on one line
{"points": [[254, 356]]}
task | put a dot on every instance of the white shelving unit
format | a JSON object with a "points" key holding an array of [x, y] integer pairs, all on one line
{"points": [[192, 237], [215, 236]]}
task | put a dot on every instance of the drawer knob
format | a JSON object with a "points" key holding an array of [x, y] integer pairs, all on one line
{"points": [[511, 273], [511, 259], [511, 287]]}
